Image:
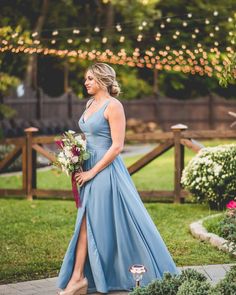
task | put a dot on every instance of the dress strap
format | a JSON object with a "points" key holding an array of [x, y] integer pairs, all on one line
{"points": [[90, 102]]}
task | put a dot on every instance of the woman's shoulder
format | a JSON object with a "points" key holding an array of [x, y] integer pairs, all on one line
{"points": [[115, 103]]}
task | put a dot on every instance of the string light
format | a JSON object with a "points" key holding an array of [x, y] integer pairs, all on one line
{"points": [[76, 31], [118, 27], [195, 61], [55, 33], [35, 34], [97, 29]]}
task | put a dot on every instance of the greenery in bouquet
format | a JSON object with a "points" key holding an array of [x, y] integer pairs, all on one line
{"points": [[72, 152], [211, 175]]}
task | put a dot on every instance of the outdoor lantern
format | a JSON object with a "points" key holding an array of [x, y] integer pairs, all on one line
{"points": [[137, 270]]}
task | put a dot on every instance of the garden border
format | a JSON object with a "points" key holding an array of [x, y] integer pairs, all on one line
{"points": [[199, 231]]}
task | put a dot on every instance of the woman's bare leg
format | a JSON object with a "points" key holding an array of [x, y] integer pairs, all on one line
{"points": [[81, 253]]}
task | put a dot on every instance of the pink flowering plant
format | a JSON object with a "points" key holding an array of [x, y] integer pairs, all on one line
{"points": [[72, 154], [211, 175]]}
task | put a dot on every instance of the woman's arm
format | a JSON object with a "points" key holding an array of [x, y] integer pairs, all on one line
{"points": [[116, 119]]}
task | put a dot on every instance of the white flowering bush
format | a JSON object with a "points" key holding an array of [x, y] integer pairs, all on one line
{"points": [[211, 175]]}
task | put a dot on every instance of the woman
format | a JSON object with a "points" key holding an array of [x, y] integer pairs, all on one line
{"points": [[113, 229]]}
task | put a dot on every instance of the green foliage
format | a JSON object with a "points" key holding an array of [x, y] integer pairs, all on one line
{"points": [[228, 228], [213, 224], [6, 111], [225, 227], [193, 287], [227, 286], [131, 86], [211, 175], [106, 14], [189, 282], [191, 274], [228, 76], [7, 81]]}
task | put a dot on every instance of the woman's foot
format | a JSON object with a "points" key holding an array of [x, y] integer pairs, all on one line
{"points": [[79, 287], [73, 281]]}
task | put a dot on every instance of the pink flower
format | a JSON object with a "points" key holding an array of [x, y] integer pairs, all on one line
{"points": [[60, 143], [75, 151], [231, 205]]}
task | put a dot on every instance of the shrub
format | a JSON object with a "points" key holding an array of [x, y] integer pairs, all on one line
{"points": [[211, 175], [189, 282], [224, 226], [228, 228], [193, 287], [191, 274], [169, 284], [227, 286]]}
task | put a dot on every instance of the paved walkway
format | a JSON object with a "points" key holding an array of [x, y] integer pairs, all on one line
{"points": [[214, 273]]}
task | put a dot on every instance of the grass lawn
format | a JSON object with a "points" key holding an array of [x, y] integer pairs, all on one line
{"points": [[34, 235], [157, 175]]}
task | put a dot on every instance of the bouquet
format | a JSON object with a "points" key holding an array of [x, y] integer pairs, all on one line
{"points": [[71, 157]]}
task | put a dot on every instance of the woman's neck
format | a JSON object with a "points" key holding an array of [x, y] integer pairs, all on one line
{"points": [[101, 96]]}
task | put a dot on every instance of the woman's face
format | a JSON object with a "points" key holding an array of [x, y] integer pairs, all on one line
{"points": [[91, 84]]}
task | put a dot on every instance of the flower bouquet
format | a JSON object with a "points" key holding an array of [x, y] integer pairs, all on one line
{"points": [[72, 154]]}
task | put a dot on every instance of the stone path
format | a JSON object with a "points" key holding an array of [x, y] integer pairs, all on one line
{"points": [[214, 273]]}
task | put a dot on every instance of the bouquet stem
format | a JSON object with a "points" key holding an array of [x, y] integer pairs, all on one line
{"points": [[75, 190]]}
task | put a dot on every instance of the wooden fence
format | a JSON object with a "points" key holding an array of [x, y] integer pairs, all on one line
{"points": [[210, 112], [178, 138]]}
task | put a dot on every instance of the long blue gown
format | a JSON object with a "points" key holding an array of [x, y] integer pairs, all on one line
{"points": [[120, 231]]}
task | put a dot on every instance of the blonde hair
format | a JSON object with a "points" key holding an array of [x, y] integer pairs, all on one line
{"points": [[105, 76]]}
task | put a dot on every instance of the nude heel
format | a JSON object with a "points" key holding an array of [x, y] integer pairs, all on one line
{"points": [[82, 291]]}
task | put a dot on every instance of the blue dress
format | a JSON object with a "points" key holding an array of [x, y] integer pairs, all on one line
{"points": [[120, 231]]}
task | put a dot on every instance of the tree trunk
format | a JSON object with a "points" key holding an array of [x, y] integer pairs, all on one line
{"points": [[31, 69], [155, 85], [109, 22], [66, 76]]}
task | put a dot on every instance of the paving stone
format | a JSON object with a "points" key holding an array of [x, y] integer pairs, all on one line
{"points": [[214, 273]]}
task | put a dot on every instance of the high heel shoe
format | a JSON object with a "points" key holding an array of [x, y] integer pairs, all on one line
{"points": [[79, 288]]}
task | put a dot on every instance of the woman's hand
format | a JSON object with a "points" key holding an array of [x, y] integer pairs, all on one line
{"points": [[83, 176]]}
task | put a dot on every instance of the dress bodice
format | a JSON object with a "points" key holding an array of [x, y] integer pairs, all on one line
{"points": [[96, 129]]}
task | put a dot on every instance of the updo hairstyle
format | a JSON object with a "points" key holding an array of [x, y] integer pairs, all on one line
{"points": [[105, 77]]}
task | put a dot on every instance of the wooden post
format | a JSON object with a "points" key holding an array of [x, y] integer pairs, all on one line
{"points": [[179, 160], [29, 167]]}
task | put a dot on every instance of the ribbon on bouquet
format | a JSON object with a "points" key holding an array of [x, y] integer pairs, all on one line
{"points": [[75, 190]]}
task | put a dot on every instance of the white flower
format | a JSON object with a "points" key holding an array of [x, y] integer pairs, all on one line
{"points": [[79, 138], [71, 131], [68, 153], [75, 159]]}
